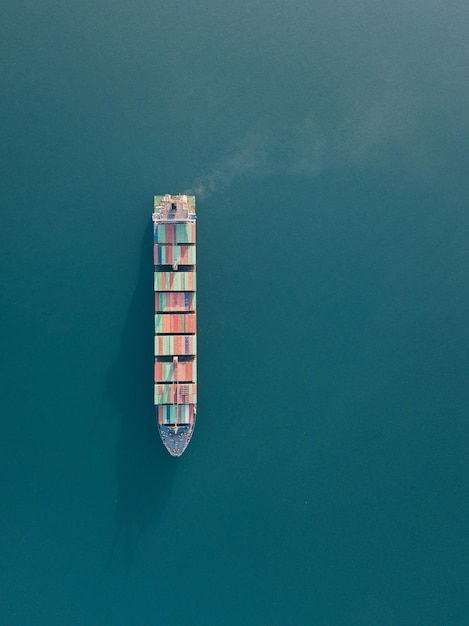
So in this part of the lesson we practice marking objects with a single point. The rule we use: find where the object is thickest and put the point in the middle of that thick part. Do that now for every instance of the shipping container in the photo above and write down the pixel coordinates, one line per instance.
(174, 281)
(174, 233)
(176, 393)
(183, 371)
(177, 255)
(175, 301)
(179, 414)
(179, 345)
(175, 323)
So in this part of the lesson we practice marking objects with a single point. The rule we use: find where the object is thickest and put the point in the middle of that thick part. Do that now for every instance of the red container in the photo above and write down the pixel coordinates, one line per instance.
(170, 233)
(184, 255)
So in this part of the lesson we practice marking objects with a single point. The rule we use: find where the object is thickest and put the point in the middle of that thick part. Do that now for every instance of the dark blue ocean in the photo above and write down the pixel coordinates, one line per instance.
(327, 482)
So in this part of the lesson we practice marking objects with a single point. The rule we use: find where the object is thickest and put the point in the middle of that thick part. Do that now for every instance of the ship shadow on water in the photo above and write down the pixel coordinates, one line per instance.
(144, 469)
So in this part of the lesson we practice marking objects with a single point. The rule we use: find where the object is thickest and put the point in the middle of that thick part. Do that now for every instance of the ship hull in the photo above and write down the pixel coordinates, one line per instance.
(177, 439)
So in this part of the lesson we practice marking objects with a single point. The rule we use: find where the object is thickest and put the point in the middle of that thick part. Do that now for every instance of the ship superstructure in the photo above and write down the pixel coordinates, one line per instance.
(175, 377)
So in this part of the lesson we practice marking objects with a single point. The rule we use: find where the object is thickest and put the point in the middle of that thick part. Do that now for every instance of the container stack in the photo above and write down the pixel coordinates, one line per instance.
(175, 375)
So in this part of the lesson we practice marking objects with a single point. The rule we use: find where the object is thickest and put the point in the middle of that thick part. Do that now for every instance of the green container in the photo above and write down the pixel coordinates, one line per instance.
(185, 233)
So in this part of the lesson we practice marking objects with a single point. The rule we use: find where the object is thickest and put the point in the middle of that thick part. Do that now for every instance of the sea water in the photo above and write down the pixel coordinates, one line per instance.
(327, 479)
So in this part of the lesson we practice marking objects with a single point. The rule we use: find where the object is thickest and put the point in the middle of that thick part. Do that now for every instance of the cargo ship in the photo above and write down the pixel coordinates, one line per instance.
(175, 375)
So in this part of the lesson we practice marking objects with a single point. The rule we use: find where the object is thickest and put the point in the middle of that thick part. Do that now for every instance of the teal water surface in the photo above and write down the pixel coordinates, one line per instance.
(327, 480)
